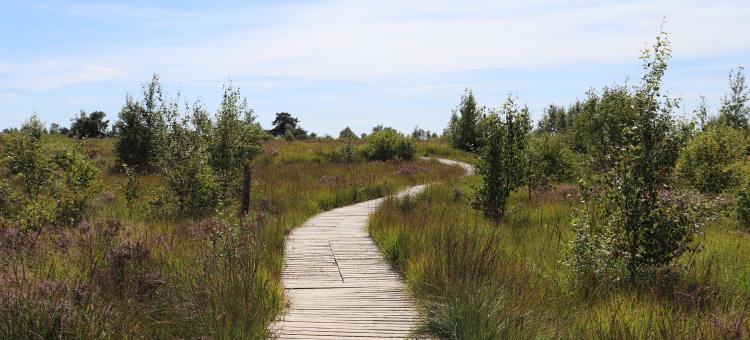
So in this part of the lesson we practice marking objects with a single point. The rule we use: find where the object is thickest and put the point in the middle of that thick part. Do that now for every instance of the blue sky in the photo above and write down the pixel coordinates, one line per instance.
(357, 63)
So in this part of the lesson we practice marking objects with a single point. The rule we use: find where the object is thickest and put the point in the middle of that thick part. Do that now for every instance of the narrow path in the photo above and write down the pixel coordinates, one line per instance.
(338, 284)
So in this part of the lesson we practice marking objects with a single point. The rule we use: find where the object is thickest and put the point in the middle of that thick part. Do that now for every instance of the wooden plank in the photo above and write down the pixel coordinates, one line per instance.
(337, 282)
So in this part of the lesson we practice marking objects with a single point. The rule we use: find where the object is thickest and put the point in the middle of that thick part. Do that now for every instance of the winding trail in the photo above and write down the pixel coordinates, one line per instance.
(337, 282)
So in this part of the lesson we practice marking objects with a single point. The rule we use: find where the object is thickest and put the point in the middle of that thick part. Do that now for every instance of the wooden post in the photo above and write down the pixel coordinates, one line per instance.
(246, 186)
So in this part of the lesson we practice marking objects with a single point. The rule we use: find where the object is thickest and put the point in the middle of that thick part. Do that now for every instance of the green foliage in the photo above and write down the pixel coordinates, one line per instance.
(347, 133)
(142, 128)
(34, 127)
(189, 175)
(74, 175)
(25, 159)
(464, 125)
(440, 149)
(203, 161)
(599, 129)
(628, 222)
(557, 119)
(284, 125)
(55, 181)
(6, 201)
(706, 162)
(549, 159)
(734, 111)
(90, 125)
(421, 134)
(501, 164)
(347, 154)
(235, 139)
(742, 199)
(131, 188)
(388, 144)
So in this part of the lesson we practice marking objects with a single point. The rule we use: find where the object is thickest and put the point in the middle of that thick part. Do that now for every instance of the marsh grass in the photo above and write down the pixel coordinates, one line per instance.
(477, 279)
(143, 271)
(436, 148)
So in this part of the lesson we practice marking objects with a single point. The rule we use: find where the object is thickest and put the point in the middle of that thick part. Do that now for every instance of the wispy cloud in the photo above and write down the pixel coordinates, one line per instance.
(355, 40)
(51, 77)
(389, 48)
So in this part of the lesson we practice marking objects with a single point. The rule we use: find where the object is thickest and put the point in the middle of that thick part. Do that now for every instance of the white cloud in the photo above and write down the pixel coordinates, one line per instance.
(354, 40)
(361, 40)
(50, 77)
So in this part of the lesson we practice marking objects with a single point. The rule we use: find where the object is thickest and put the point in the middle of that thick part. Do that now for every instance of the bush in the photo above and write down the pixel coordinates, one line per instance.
(89, 125)
(76, 173)
(743, 205)
(631, 223)
(345, 154)
(734, 109)
(549, 158)
(706, 162)
(388, 144)
(347, 133)
(235, 139)
(54, 181)
(742, 198)
(142, 128)
(501, 164)
(6, 200)
(196, 187)
(463, 129)
(25, 159)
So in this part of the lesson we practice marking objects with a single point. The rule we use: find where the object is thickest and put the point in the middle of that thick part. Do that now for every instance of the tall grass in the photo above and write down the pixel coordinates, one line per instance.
(475, 279)
(146, 272)
(436, 148)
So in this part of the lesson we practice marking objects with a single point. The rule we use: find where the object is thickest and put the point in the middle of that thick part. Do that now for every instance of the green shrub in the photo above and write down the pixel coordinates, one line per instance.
(388, 144)
(631, 223)
(6, 201)
(26, 161)
(742, 198)
(463, 129)
(132, 189)
(734, 109)
(501, 164)
(196, 187)
(345, 154)
(76, 173)
(54, 181)
(347, 133)
(549, 158)
(90, 125)
(235, 139)
(142, 128)
(706, 162)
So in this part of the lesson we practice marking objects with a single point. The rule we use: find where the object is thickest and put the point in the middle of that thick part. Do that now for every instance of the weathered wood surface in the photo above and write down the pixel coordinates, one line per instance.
(337, 282)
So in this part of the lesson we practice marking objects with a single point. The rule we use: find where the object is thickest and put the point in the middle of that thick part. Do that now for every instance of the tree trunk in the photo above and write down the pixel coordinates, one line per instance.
(246, 180)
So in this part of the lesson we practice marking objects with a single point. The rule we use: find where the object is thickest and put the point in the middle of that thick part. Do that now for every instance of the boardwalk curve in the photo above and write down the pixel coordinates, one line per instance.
(337, 282)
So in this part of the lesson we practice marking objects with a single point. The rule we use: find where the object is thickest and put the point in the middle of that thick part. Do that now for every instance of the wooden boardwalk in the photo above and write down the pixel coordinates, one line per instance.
(338, 284)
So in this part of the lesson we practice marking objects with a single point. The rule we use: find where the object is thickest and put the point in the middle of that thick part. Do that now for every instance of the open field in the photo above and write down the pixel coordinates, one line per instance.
(478, 279)
(136, 272)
